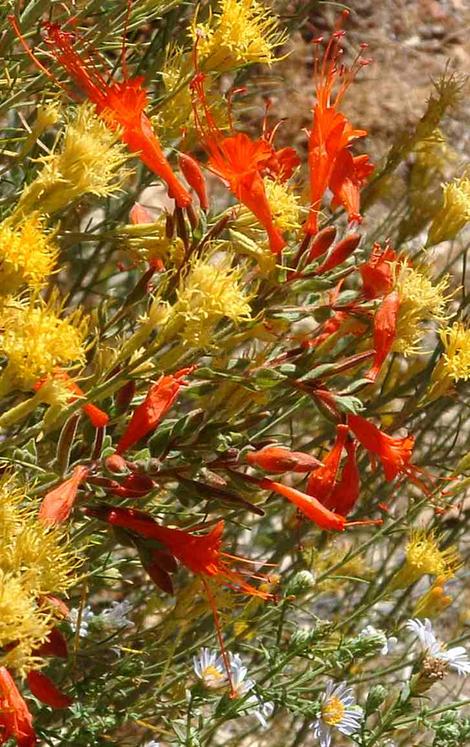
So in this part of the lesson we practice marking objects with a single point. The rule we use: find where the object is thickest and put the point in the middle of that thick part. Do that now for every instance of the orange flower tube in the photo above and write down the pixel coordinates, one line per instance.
(147, 415)
(385, 331)
(321, 482)
(59, 501)
(394, 453)
(121, 105)
(15, 718)
(308, 505)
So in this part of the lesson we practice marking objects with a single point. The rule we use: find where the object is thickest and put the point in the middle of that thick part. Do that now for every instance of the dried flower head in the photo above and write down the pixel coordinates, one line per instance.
(27, 254)
(88, 161)
(454, 213)
(421, 302)
(242, 32)
(36, 339)
(424, 556)
(211, 291)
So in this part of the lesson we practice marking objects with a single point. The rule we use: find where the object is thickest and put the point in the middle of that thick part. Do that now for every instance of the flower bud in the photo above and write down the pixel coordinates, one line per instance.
(302, 582)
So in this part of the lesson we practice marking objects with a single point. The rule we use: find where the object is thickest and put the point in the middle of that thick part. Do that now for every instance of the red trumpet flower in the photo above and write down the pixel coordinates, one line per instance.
(121, 105)
(200, 553)
(321, 482)
(345, 493)
(279, 459)
(147, 415)
(15, 718)
(330, 162)
(394, 453)
(376, 273)
(385, 331)
(307, 505)
(59, 501)
(241, 163)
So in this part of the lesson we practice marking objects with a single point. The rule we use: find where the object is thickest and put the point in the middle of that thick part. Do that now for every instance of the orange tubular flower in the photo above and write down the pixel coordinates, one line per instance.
(394, 453)
(15, 719)
(58, 503)
(158, 401)
(279, 459)
(200, 553)
(241, 163)
(121, 105)
(308, 505)
(195, 178)
(330, 162)
(97, 417)
(345, 493)
(321, 482)
(385, 331)
(376, 273)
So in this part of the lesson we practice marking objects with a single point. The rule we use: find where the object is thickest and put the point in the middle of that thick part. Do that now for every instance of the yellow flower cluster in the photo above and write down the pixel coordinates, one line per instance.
(36, 339)
(27, 254)
(211, 291)
(421, 301)
(242, 32)
(454, 363)
(424, 556)
(454, 213)
(88, 161)
(34, 562)
(456, 341)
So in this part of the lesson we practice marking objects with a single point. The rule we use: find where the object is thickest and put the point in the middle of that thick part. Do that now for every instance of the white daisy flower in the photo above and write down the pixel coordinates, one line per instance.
(456, 657)
(387, 644)
(338, 711)
(209, 667)
(253, 704)
(115, 616)
(87, 616)
(241, 685)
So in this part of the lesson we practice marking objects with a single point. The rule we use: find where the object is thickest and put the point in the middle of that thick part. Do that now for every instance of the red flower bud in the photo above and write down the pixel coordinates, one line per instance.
(54, 645)
(279, 459)
(195, 178)
(44, 690)
(321, 243)
(339, 253)
(58, 503)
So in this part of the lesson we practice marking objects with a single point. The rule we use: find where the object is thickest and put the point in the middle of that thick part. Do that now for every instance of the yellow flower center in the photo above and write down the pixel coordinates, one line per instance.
(333, 712)
(212, 677)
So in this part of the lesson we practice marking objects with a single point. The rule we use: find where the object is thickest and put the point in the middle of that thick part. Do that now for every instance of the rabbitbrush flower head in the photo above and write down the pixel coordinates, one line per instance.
(36, 338)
